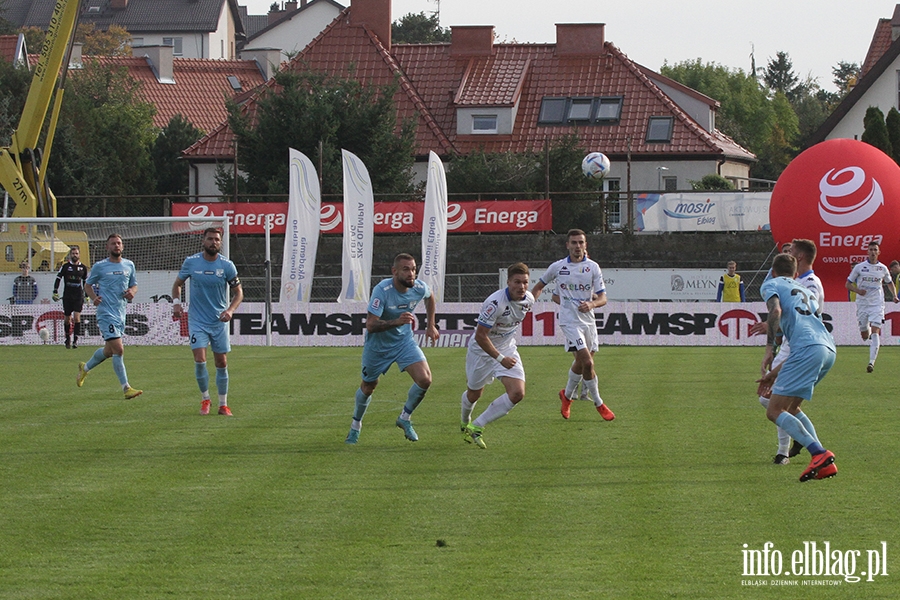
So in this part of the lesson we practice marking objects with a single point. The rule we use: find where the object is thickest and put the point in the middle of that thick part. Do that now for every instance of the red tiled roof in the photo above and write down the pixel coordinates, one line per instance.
(9, 46)
(433, 84)
(200, 88)
(881, 41)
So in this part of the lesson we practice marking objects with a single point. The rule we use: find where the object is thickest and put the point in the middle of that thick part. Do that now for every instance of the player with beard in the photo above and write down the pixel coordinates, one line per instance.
(389, 339)
(73, 273)
(117, 286)
(212, 276)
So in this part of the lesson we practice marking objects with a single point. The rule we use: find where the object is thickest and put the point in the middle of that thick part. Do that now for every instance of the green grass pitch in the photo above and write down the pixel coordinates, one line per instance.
(106, 498)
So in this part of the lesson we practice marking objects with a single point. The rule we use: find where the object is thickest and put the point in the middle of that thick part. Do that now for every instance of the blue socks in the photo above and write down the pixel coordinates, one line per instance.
(119, 368)
(221, 380)
(97, 358)
(362, 403)
(413, 398)
(795, 428)
(202, 376)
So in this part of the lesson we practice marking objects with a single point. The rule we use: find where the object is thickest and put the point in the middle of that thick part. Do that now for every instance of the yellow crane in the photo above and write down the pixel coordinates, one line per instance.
(22, 172)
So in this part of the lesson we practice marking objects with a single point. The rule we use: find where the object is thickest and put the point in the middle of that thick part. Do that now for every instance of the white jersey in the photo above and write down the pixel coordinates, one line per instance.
(577, 282)
(502, 315)
(870, 278)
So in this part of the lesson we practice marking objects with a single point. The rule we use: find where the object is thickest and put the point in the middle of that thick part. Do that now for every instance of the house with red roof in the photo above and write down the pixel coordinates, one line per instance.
(475, 94)
(195, 88)
(876, 86)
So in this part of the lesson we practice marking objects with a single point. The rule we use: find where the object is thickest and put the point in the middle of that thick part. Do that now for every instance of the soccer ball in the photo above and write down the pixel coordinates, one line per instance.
(44, 334)
(595, 165)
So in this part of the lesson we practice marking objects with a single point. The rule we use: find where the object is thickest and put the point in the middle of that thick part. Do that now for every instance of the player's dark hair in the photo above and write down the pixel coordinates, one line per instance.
(806, 247)
(784, 265)
(402, 256)
(112, 235)
(894, 263)
(874, 243)
(212, 230)
(574, 232)
(519, 268)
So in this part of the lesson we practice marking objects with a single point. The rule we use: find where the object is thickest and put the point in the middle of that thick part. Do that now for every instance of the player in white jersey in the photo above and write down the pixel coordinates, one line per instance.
(866, 280)
(580, 288)
(493, 354)
(805, 252)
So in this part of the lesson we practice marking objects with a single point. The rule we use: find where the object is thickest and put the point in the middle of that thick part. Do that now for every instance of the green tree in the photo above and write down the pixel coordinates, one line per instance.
(103, 141)
(171, 172)
(845, 76)
(892, 122)
(114, 41)
(779, 75)
(309, 108)
(712, 183)
(14, 84)
(746, 114)
(34, 38)
(508, 175)
(6, 28)
(875, 130)
(418, 28)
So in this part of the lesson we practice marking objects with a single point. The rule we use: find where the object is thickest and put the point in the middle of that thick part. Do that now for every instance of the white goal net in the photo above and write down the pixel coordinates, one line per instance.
(156, 245)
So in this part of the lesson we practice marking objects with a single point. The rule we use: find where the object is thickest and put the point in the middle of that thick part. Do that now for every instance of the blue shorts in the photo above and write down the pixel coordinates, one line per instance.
(376, 364)
(111, 328)
(215, 336)
(803, 369)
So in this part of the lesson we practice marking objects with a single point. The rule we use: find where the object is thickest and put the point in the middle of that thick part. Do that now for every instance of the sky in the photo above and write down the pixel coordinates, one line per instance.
(816, 34)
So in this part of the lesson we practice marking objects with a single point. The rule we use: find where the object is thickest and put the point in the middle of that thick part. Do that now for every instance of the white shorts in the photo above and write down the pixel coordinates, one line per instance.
(579, 336)
(869, 316)
(481, 369)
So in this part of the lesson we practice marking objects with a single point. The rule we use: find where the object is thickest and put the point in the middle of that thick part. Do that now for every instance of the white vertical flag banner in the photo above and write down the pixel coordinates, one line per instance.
(301, 235)
(434, 228)
(359, 230)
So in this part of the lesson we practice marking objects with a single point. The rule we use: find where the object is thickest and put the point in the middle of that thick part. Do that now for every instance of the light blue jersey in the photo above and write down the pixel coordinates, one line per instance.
(113, 279)
(388, 304)
(799, 313)
(210, 281)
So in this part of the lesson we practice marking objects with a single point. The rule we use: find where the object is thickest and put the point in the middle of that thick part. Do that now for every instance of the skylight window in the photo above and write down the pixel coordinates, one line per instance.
(659, 129)
(591, 110)
(235, 83)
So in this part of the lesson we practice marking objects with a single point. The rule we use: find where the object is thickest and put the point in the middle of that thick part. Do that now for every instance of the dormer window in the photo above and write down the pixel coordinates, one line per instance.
(484, 123)
(584, 110)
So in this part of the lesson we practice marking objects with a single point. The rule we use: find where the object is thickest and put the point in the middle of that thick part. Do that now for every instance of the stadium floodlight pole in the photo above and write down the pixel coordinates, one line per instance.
(268, 269)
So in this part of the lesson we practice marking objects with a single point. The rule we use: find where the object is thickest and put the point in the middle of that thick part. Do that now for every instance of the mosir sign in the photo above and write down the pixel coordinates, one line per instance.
(842, 194)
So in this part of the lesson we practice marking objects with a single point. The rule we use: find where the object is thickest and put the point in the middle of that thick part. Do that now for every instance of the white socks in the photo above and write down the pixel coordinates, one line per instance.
(874, 344)
(498, 408)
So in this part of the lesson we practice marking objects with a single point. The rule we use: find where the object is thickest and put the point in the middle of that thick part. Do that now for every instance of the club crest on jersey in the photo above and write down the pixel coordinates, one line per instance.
(220, 272)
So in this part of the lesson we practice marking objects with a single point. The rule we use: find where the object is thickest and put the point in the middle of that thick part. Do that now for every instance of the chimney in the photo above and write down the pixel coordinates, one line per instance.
(267, 59)
(375, 15)
(471, 40)
(274, 15)
(580, 39)
(160, 59)
(75, 60)
(290, 6)
(895, 23)
(118, 4)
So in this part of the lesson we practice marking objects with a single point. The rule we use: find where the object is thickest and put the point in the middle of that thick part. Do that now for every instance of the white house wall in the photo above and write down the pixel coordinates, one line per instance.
(293, 35)
(883, 94)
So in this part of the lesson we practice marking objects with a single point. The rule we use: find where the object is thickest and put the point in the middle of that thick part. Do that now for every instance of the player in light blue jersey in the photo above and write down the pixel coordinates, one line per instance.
(389, 339)
(793, 308)
(116, 286)
(493, 354)
(211, 275)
